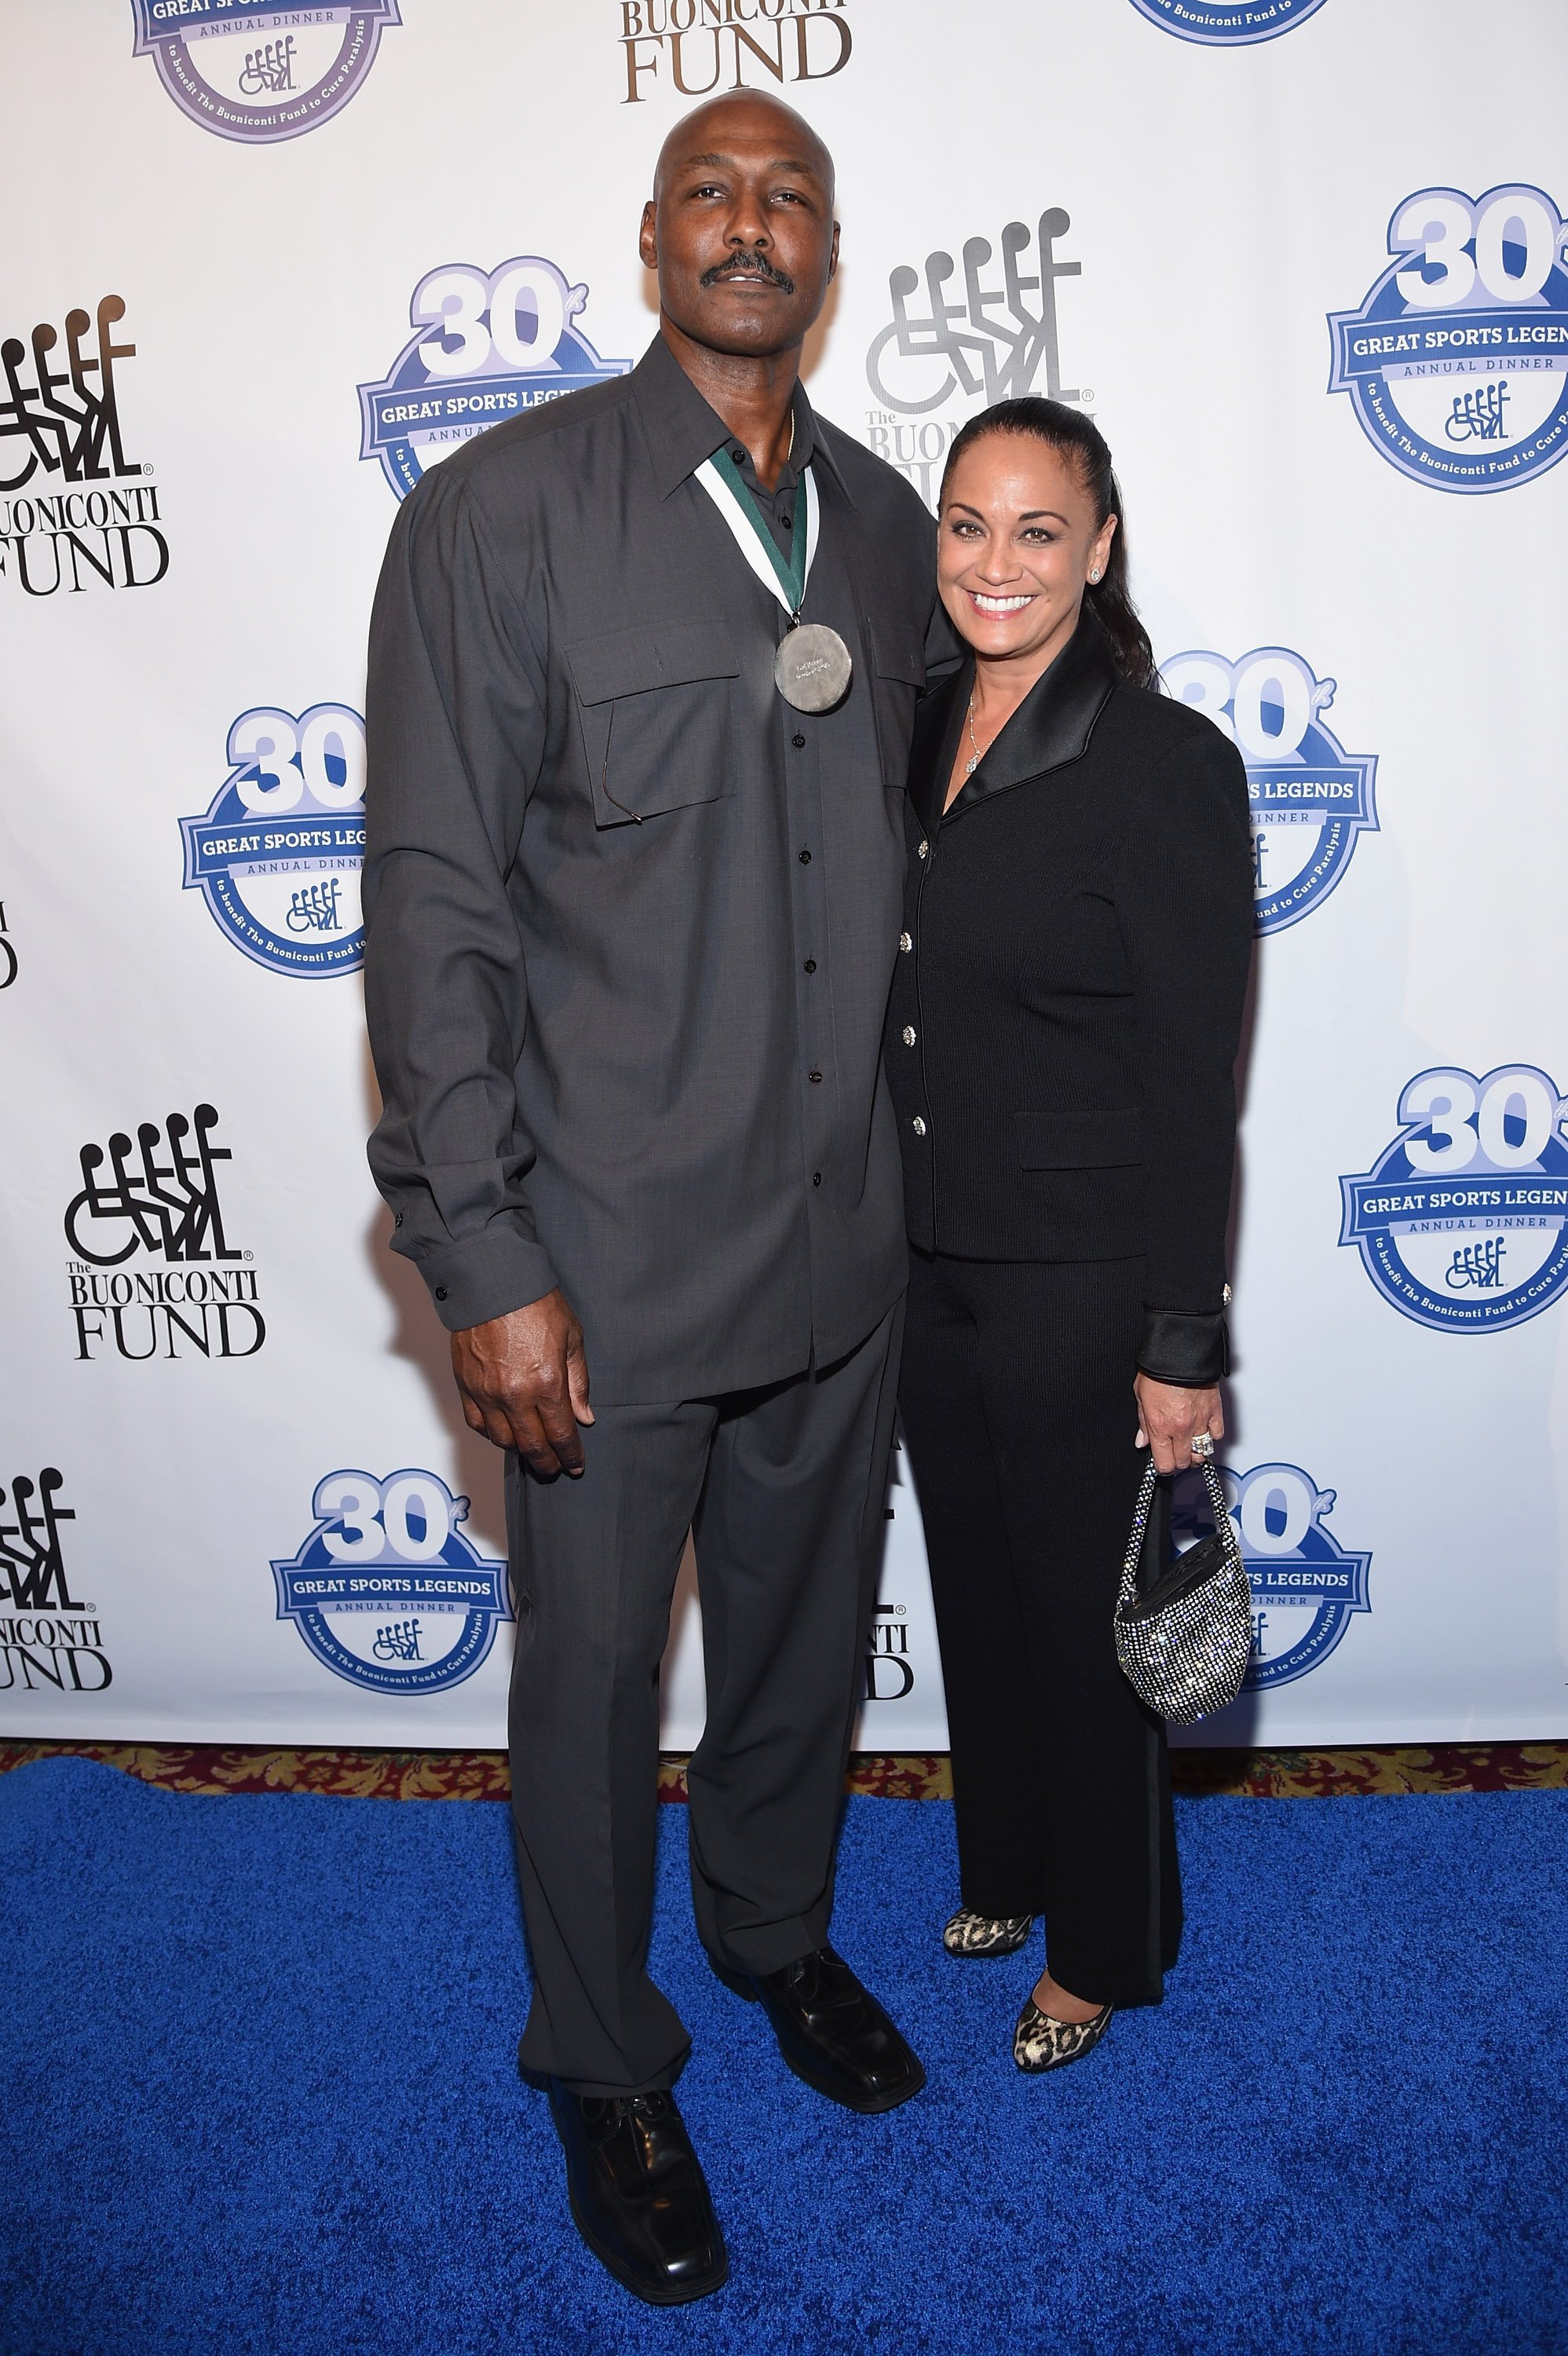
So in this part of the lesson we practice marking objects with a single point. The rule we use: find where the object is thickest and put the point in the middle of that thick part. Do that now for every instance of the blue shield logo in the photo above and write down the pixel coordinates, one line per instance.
(488, 345)
(1462, 1223)
(387, 1590)
(1306, 1589)
(277, 854)
(1310, 798)
(1227, 23)
(1456, 362)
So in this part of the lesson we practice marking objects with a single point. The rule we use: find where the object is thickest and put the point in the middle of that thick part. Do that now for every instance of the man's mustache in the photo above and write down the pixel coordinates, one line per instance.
(748, 265)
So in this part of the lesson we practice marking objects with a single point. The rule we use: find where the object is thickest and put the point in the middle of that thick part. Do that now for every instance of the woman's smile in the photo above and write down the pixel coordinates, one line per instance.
(1012, 604)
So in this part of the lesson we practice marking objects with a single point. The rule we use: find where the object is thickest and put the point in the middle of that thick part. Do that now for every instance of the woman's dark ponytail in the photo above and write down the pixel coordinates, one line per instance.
(1069, 431)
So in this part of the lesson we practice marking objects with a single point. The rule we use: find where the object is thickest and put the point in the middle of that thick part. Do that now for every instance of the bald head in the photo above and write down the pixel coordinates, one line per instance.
(750, 117)
(739, 227)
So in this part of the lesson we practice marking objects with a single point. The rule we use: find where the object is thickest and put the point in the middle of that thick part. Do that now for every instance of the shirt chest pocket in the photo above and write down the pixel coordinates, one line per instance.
(654, 707)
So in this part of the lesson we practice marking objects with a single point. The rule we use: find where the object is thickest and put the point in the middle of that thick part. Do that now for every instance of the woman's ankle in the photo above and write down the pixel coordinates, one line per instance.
(1060, 2004)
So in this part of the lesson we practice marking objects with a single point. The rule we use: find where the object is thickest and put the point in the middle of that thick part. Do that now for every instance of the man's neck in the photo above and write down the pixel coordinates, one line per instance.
(754, 397)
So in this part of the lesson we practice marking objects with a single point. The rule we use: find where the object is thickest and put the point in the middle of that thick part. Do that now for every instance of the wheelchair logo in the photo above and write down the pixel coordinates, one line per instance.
(1456, 363)
(387, 1590)
(487, 346)
(278, 852)
(993, 343)
(1462, 1223)
(1307, 1588)
(1311, 800)
(258, 71)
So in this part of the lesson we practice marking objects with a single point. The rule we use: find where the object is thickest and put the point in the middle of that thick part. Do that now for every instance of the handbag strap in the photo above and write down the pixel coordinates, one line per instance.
(1224, 1528)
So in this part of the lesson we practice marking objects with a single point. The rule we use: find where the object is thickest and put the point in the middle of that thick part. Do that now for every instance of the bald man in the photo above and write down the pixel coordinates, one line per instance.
(644, 667)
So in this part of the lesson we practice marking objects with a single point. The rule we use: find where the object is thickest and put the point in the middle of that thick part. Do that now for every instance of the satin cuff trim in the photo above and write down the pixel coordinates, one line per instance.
(1189, 1347)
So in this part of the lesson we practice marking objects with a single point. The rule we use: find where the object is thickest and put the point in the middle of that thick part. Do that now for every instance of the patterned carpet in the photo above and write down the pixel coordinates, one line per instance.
(482, 1774)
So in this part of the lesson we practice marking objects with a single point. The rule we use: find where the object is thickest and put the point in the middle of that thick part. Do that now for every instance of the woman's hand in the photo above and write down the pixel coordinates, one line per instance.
(1171, 1418)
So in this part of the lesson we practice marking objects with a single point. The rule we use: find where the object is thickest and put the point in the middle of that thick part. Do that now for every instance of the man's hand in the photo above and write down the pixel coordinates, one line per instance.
(1170, 1418)
(523, 1381)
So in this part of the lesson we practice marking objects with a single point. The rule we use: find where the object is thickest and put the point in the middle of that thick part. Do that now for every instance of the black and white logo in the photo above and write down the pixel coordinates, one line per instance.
(76, 513)
(155, 1273)
(962, 336)
(49, 1639)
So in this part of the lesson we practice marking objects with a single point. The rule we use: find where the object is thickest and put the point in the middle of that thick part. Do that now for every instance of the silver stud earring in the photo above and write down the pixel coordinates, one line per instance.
(1096, 574)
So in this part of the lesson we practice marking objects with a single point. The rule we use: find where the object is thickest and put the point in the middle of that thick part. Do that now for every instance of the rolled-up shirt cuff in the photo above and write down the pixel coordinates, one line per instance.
(1189, 1347)
(487, 1275)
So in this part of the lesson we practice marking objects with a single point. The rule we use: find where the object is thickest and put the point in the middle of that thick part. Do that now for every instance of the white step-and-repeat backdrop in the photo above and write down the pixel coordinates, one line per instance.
(1303, 259)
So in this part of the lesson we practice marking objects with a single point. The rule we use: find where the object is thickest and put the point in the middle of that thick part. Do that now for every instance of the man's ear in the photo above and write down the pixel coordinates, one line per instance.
(833, 256)
(647, 236)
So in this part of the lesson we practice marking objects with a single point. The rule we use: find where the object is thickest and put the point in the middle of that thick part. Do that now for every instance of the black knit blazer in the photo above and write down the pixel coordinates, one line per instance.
(1067, 1011)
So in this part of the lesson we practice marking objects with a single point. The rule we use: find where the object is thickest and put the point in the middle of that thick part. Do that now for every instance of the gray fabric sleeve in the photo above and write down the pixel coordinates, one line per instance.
(456, 726)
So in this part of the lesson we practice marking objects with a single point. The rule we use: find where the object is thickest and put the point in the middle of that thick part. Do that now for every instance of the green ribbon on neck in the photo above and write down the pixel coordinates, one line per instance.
(791, 576)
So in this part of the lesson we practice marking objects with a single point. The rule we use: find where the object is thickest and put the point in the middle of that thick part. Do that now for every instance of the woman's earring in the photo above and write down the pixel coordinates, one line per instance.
(1096, 574)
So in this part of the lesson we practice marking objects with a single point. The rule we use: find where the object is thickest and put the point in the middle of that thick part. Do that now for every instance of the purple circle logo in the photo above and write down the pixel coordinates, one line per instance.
(258, 71)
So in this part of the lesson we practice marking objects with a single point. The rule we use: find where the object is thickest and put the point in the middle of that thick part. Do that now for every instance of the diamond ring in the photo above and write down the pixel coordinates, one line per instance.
(1203, 1445)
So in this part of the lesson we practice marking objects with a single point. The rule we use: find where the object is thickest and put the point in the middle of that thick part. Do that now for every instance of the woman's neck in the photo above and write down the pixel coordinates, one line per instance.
(1002, 681)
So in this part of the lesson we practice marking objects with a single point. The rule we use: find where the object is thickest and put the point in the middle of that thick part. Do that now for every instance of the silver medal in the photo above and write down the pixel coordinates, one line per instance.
(813, 668)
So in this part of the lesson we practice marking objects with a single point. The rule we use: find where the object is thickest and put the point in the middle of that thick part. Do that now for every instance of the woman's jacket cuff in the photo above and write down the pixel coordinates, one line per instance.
(1189, 1347)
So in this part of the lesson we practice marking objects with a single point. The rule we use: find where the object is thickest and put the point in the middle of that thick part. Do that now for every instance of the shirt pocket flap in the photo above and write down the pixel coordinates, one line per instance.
(897, 649)
(657, 654)
(1079, 1140)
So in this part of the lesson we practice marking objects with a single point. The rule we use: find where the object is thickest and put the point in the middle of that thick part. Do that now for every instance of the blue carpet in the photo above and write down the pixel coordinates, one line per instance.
(259, 2097)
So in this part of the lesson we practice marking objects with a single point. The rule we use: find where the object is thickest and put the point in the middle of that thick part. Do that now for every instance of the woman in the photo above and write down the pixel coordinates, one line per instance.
(1062, 1033)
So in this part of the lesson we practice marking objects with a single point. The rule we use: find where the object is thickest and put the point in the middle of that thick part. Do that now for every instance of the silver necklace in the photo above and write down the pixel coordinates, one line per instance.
(973, 763)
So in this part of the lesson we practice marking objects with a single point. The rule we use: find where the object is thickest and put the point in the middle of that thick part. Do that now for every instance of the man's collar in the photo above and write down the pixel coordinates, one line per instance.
(683, 430)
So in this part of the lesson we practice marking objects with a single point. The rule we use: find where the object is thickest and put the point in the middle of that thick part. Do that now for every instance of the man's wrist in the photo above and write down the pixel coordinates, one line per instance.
(486, 1276)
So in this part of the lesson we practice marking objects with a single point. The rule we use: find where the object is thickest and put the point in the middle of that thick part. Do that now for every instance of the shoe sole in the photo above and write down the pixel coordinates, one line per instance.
(866, 2105)
(674, 2295)
(984, 1954)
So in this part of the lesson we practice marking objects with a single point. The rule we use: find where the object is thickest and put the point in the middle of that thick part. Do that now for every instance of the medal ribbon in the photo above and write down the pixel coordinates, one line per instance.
(726, 486)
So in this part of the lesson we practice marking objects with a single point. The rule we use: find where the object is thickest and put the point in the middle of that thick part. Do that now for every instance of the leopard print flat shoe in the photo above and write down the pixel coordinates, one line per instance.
(983, 1934)
(1042, 2043)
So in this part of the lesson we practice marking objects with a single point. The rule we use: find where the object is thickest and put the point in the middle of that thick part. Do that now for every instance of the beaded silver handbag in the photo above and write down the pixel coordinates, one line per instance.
(1184, 1643)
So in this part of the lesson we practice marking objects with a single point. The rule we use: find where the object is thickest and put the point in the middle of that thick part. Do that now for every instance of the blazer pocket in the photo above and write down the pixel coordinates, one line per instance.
(654, 708)
(898, 679)
(1079, 1140)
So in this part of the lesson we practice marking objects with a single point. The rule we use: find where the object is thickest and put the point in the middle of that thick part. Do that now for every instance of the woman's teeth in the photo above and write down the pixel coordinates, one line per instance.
(1001, 605)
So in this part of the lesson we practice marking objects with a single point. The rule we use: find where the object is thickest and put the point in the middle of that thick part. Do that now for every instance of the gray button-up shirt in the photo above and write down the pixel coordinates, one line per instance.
(631, 918)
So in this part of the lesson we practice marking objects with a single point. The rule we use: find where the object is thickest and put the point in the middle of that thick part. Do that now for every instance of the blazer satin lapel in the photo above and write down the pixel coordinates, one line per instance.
(937, 721)
(1053, 724)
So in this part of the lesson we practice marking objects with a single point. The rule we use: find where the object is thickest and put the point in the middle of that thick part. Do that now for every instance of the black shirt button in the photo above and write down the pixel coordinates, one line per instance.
(397, 1219)
(805, 858)
(441, 1292)
(810, 967)
(817, 1177)
(740, 456)
(786, 521)
(816, 1076)
(797, 741)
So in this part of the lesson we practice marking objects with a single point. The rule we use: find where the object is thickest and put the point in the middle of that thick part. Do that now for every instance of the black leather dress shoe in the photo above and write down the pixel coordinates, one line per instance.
(638, 2195)
(833, 2033)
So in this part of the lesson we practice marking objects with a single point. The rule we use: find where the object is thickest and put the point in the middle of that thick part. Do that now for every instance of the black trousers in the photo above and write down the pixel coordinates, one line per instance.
(1018, 1414)
(782, 1489)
